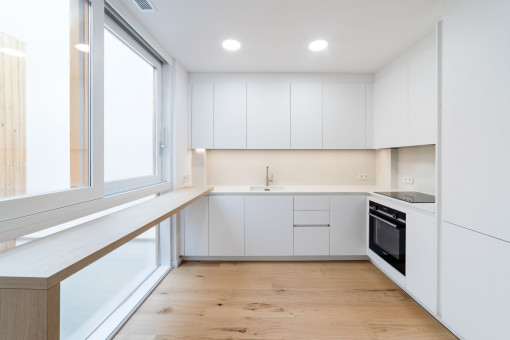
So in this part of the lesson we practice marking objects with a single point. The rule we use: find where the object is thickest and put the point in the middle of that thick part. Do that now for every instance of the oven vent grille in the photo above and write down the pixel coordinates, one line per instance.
(145, 5)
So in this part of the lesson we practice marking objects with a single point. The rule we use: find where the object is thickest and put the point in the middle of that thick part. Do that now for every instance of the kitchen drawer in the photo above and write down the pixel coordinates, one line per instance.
(311, 202)
(316, 217)
(310, 241)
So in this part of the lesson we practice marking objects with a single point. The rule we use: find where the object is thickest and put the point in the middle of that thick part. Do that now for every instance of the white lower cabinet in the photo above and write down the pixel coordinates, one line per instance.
(347, 225)
(421, 268)
(311, 241)
(269, 226)
(226, 226)
(196, 228)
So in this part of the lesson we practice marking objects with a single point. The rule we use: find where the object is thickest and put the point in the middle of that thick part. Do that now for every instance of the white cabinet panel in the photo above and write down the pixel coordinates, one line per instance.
(475, 281)
(347, 225)
(475, 118)
(310, 202)
(268, 115)
(344, 116)
(230, 116)
(268, 226)
(421, 268)
(306, 116)
(226, 226)
(315, 217)
(196, 228)
(423, 98)
(391, 119)
(202, 116)
(311, 241)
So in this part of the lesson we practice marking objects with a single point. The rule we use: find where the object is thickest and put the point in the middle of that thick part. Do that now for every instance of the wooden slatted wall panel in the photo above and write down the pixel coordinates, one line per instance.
(12, 120)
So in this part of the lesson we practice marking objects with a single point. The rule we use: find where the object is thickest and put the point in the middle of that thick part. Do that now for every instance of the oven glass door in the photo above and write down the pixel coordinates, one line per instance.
(388, 242)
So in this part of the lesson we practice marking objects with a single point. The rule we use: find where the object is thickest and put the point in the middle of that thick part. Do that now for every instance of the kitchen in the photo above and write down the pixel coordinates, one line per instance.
(385, 146)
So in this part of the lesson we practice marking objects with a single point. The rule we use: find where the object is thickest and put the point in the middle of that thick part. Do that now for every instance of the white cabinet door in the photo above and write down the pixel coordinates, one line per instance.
(344, 116)
(196, 228)
(347, 225)
(421, 268)
(306, 116)
(311, 241)
(475, 281)
(423, 98)
(202, 116)
(268, 115)
(391, 118)
(268, 226)
(226, 226)
(230, 116)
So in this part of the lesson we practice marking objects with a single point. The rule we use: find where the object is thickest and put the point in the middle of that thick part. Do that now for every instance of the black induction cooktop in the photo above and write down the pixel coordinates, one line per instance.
(410, 196)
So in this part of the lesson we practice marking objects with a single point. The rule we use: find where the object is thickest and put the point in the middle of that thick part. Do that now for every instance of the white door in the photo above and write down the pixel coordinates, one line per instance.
(196, 228)
(268, 116)
(421, 269)
(344, 116)
(423, 98)
(226, 226)
(347, 225)
(268, 226)
(230, 116)
(311, 241)
(306, 116)
(202, 116)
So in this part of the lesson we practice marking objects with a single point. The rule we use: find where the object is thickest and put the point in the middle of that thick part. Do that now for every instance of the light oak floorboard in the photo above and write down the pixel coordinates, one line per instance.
(280, 300)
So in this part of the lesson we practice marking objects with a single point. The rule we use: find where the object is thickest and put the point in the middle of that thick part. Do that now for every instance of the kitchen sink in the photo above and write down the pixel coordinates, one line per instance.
(266, 189)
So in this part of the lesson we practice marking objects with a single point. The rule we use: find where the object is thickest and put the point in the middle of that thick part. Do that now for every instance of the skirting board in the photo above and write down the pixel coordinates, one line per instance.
(276, 258)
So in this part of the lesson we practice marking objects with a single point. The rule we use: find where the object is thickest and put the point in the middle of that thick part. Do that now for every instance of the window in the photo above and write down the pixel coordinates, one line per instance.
(44, 107)
(132, 119)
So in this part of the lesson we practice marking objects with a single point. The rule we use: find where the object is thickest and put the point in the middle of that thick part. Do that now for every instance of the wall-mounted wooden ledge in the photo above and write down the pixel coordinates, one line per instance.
(43, 263)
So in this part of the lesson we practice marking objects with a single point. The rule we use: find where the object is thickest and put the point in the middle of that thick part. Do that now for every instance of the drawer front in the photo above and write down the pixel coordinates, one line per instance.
(311, 202)
(318, 217)
(311, 241)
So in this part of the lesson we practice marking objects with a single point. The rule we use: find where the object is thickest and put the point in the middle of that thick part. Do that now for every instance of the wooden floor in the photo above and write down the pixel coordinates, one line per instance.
(280, 300)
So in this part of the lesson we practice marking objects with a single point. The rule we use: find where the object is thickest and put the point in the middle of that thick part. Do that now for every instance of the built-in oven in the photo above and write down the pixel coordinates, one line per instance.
(387, 235)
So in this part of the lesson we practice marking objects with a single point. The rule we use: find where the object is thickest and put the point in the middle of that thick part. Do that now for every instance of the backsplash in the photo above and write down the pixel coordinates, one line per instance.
(419, 163)
(289, 167)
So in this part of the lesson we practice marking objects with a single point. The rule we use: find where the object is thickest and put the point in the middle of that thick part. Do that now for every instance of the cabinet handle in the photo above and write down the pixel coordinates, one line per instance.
(383, 220)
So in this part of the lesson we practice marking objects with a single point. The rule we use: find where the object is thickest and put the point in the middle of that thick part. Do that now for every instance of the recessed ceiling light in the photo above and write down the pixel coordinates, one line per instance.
(12, 51)
(83, 47)
(318, 45)
(231, 45)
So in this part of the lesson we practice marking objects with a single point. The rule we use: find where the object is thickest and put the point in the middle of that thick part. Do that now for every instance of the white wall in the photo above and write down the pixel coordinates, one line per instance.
(420, 163)
(290, 167)
(181, 156)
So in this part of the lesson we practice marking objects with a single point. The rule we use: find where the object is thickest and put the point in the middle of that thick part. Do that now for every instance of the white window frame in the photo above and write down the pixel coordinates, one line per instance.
(115, 187)
(16, 207)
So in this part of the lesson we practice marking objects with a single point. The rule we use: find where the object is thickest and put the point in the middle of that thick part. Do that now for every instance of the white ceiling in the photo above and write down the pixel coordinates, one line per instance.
(363, 35)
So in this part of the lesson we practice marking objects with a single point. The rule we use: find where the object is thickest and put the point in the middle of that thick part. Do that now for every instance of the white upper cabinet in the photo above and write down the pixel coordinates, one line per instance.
(268, 115)
(344, 116)
(391, 119)
(423, 98)
(306, 116)
(202, 117)
(230, 116)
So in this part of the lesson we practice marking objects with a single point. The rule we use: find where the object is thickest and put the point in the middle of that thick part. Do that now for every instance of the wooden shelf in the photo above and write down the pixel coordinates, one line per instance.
(45, 262)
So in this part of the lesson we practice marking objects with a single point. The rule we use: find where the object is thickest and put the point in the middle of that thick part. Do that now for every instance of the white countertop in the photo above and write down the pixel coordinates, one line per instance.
(324, 189)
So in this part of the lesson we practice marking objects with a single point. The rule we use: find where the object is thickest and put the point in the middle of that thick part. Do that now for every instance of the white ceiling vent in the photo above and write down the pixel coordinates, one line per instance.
(145, 5)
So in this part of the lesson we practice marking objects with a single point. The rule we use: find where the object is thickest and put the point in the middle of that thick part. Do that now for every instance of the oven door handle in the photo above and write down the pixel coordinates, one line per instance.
(383, 220)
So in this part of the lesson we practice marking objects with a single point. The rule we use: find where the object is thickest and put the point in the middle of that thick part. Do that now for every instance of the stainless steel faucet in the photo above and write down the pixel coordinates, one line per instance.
(268, 180)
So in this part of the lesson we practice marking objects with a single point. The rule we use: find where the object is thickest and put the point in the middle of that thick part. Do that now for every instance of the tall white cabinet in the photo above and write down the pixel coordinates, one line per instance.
(268, 116)
(230, 116)
(306, 116)
(343, 116)
(202, 116)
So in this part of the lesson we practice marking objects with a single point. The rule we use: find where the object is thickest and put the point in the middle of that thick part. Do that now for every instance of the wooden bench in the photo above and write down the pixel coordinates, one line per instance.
(30, 274)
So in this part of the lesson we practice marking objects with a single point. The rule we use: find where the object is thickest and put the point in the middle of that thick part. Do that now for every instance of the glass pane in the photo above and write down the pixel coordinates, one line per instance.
(91, 295)
(44, 113)
(129, 133)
